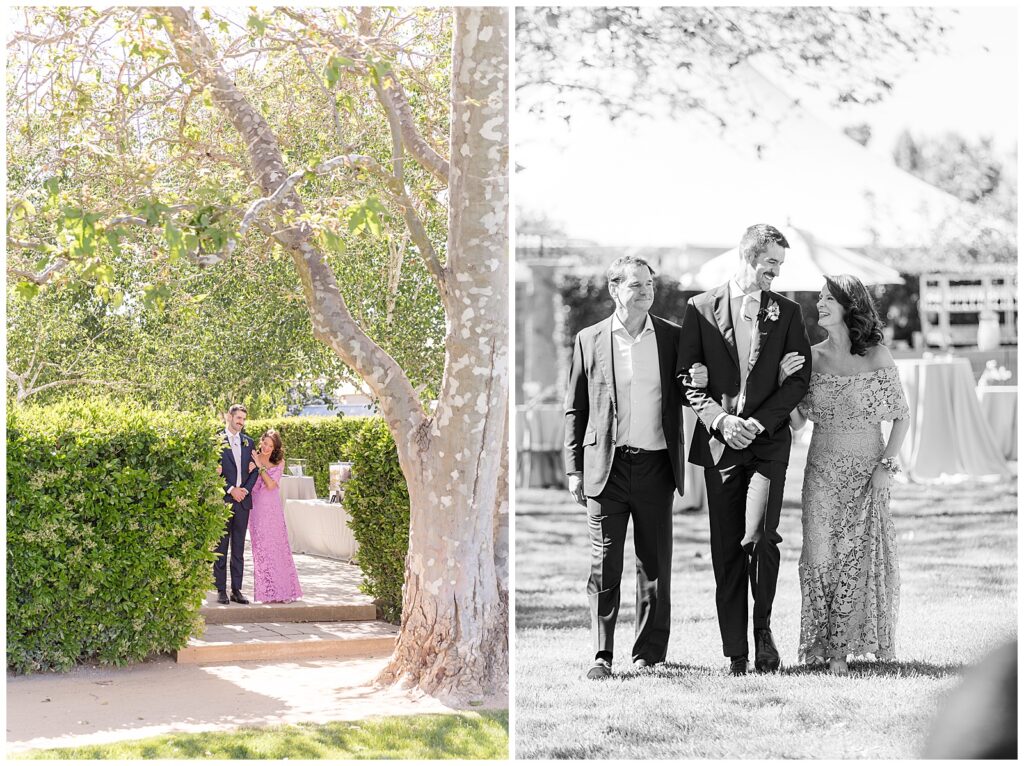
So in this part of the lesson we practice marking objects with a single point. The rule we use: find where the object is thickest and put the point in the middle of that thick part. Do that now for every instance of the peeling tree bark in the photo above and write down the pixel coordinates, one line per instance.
(454, 637)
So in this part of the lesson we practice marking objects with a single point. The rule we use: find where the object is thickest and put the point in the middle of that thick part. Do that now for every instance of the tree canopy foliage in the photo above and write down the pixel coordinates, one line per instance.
(643, 60)
(125, 182)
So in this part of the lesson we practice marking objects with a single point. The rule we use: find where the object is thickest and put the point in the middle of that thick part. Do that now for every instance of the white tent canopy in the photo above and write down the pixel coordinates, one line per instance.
(808, 259)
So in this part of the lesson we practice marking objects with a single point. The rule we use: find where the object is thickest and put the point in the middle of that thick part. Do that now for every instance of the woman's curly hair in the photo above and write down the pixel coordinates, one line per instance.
(859, 312)
(278, 453)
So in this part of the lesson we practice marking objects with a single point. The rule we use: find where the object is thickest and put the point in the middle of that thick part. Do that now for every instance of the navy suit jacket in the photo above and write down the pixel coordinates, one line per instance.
(229, 471)
(708, 337)
(590, 408)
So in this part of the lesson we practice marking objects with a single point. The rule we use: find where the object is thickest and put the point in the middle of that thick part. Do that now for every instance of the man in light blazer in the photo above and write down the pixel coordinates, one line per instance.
(624, 457)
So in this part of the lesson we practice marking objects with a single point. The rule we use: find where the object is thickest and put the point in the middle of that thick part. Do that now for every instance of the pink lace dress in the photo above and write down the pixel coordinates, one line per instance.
(274, 575)
(849, 572)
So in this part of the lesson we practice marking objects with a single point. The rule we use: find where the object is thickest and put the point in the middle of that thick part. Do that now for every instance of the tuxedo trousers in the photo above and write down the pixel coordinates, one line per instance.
(744, 506)
(234, 533)
(640, 487)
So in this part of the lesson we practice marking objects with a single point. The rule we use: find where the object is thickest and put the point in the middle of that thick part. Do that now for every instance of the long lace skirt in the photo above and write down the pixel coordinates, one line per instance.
(849, 573)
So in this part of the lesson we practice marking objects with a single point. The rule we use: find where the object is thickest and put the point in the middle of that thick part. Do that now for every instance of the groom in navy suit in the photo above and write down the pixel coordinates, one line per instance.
(235, 457)
(740, 331)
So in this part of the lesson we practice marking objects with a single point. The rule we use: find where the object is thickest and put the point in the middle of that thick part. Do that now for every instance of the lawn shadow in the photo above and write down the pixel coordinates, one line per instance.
(883, 669)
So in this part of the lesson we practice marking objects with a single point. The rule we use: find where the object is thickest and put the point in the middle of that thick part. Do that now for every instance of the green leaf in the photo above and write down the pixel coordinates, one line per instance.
(52, 186)
(26, 290)
(154, 297)
(256, 24)
(367, 216)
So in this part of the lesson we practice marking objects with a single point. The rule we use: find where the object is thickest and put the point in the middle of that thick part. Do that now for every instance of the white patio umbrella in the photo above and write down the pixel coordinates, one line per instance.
(808, 259)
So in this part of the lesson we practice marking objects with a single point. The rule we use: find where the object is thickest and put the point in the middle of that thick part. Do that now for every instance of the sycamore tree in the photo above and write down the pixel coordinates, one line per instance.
(199, 139)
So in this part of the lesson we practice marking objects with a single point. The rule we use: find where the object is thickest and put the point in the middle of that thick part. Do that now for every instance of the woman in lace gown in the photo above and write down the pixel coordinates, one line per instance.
(849, 574)
(275, 578)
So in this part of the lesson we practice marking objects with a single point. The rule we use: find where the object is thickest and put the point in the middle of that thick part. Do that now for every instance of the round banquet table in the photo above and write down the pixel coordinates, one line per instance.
(949, 437)
(999, 406)
(319, 528)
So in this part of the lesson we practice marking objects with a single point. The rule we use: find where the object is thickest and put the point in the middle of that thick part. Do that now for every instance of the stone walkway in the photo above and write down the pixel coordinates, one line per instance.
(93, 704)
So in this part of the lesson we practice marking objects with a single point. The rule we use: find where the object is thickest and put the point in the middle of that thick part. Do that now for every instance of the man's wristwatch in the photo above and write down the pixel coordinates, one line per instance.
(890, 465)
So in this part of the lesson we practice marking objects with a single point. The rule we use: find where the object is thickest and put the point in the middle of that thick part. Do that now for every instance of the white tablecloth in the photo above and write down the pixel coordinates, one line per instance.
(540, 435)
(319, 528)
(999, 406)
(297, 488)
(949, 437)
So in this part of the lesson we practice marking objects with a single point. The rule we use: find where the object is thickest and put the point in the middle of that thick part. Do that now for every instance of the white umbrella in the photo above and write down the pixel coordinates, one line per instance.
(808, 259)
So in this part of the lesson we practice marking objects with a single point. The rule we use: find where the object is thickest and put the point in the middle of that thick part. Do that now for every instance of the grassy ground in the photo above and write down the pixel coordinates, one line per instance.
(422, 737)
(957, 548)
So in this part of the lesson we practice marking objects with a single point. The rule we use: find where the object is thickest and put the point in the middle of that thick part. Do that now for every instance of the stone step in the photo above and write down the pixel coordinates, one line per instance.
(311, 610)
(238, 642)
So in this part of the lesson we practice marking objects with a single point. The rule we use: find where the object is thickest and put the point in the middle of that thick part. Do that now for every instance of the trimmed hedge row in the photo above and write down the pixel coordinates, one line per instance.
(376, 498)
(112, 515)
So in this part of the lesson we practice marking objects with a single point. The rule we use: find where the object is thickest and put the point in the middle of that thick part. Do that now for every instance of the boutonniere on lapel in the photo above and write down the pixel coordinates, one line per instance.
(769, 313)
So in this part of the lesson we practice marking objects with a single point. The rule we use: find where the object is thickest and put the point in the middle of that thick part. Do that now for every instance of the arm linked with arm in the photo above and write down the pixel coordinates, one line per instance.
(778, 407)
(691, 351)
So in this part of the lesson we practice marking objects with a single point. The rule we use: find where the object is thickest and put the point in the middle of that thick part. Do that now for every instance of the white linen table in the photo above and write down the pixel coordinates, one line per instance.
(319, 528)
(999, 405)
(949, 438)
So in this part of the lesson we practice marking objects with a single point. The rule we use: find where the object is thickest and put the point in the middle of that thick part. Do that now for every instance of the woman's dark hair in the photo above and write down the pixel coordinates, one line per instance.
(278, 454)
(859, 312)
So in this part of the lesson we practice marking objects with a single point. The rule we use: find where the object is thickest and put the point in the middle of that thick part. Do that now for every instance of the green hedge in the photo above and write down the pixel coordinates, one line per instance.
(376, 498)
(112, 516)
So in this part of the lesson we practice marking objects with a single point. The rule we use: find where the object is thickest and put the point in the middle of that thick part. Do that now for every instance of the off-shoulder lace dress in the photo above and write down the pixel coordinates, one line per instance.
(274, 575)
(849, 574)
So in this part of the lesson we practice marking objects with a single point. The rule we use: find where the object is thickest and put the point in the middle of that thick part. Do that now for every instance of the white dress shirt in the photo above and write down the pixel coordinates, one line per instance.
(637, 387)
(235, 440)
(743, 344)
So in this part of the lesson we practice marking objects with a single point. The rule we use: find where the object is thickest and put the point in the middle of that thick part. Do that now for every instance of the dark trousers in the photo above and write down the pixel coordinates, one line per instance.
(744, 503)
(234, 531)
(640, 486)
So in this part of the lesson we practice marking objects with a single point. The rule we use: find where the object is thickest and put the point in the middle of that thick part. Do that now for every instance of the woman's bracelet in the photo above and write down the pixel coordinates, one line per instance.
(890, 465)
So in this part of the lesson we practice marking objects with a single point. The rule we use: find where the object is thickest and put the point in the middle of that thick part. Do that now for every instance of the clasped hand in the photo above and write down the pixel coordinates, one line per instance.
(737, 432)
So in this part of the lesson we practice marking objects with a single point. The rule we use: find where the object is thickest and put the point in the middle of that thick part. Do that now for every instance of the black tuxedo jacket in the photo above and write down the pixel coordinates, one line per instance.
(708, 336)
(590, 407)
(229, 470)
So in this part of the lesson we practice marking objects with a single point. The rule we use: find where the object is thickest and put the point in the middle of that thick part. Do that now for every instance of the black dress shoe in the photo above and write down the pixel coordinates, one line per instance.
(222, 597)
(766, 655)
(600, 670)
(237, 597)
(640, 663)
(738, 666)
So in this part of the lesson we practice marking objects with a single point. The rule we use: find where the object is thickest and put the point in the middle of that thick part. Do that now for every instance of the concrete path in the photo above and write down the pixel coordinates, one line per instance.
(96, 704)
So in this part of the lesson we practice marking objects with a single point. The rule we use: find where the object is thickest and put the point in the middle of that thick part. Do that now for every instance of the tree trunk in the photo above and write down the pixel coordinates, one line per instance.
(454, 638)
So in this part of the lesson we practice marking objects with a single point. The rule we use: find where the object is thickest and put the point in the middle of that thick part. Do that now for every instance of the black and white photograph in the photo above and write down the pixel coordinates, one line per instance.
(765, 382)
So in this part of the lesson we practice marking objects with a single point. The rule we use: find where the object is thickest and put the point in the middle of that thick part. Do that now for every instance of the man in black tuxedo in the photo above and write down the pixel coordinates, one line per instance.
(624, 457)
(235, 456)
(740, 331)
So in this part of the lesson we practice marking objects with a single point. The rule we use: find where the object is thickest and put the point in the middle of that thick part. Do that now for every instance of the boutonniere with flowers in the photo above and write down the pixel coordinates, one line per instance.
(769, 313)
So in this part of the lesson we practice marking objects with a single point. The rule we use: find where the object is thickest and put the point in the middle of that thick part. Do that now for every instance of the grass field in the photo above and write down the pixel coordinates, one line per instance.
(468, 736)
(958, 561)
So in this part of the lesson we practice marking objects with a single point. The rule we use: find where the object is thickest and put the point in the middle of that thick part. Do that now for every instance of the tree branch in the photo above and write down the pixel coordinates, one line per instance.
(331, 319)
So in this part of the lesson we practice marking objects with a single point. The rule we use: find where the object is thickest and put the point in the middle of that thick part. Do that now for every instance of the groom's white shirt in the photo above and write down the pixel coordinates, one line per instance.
(235, 440)
(637, 372)
(736, 297)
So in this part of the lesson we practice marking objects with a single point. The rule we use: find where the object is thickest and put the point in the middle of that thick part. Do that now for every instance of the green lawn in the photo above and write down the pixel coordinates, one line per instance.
(957, 547)
(420, 737)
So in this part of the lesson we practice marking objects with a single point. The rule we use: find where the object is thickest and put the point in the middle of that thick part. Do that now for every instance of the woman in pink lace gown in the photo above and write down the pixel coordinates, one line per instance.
(275, 578)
